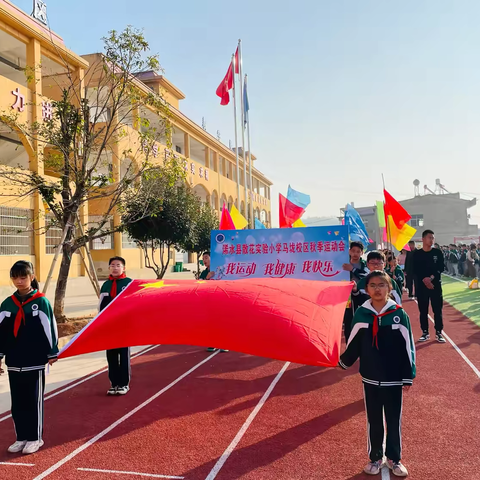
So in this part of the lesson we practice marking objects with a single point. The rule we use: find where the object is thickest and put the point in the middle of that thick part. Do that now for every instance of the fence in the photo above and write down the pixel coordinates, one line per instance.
(16, 231)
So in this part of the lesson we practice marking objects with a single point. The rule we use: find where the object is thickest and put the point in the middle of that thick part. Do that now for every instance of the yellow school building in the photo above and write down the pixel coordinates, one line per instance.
(26, 43)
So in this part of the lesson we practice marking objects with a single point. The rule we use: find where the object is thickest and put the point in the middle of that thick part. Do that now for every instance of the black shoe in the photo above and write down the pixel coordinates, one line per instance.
(424, 337)
(211, 349)
(440, 338)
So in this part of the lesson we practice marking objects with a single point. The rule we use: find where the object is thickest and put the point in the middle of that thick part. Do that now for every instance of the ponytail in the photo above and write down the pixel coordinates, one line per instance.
(35, 284)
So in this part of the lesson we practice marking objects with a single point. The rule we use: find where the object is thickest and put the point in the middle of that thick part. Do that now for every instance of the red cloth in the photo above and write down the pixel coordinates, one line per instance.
(113, 290)
(399, 215)
(20, 317)
(289, 213)
(285, 319)
(226, 222)
(227, 82)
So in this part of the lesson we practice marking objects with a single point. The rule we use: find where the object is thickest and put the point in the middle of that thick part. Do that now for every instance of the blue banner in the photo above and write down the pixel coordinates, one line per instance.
(311, 253)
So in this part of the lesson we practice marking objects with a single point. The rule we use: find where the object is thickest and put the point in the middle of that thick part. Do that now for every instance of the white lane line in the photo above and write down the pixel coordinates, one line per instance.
(455, 278)
(138, 474)
(221, 461)
(83, 447)
(13, 464)
(75, 384)
(385, 473)
(453, 344)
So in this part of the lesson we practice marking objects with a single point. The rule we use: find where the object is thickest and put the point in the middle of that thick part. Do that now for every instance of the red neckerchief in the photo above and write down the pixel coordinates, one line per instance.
(20, 317)
(375, 325)
(113, 290)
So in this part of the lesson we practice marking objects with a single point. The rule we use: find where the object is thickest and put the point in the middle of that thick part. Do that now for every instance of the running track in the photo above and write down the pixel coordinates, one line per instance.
(188, 412)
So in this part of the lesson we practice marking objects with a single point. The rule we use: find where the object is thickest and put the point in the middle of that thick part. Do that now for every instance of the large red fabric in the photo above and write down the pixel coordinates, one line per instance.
(285, 319)
(399, 215)
(226, 222)
(227, 82)
(289, 213)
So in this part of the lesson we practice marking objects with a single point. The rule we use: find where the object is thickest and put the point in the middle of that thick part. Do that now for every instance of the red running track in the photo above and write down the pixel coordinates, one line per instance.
(312, 426)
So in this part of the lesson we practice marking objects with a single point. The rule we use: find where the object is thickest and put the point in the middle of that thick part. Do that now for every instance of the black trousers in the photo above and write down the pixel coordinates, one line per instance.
(347, 323)
(380, 401)
(410, 282)
(26, 390)
(119, 366)
(425, 297)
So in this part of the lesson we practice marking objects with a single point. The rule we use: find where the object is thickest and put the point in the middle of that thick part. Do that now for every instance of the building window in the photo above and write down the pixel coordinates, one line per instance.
(16, 231)
(127, 242)
(416, 221)
(53, 235)
(103, 243)
(178, 149)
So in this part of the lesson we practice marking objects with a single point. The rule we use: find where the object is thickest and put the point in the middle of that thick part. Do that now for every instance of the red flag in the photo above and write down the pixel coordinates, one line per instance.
(226, 222)
(289, 212)
(227, 82)
(392, 208)
(285, 319)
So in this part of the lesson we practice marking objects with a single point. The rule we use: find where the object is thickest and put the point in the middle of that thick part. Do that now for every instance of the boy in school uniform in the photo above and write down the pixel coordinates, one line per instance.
(395, 272)
(358, 270)
(375, 261)
(382, 339)
(118, 358)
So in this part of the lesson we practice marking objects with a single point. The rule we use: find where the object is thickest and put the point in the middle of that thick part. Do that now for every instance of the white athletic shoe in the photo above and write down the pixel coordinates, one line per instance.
(112, 391)
(373, 468)
(17, 447)
(32, 447)
(122, 390)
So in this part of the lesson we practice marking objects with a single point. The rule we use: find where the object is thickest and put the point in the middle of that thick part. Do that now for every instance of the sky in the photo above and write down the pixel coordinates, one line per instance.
(340, 91)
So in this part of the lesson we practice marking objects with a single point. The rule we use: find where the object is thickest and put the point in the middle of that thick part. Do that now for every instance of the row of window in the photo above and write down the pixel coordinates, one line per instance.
(17, 234)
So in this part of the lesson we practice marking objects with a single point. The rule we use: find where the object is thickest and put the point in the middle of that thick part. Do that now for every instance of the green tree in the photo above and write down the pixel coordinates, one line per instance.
(205, 220)
(168, 225)
(81, 143)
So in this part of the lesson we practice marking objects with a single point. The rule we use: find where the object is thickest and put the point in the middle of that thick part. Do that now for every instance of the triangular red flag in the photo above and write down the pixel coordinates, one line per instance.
(226, 223)
(392, 208)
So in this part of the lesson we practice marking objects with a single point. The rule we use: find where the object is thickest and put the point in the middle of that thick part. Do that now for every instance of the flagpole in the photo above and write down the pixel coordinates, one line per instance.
(389, 236)
(240, 61)
(236, 136)
(249, 157)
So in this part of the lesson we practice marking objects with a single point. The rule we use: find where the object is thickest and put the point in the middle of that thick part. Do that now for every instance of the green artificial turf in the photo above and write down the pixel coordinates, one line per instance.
(467, 301)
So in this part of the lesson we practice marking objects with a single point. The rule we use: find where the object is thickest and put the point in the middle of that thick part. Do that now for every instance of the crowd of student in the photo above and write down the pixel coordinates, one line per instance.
(377, 331)
(462, 260)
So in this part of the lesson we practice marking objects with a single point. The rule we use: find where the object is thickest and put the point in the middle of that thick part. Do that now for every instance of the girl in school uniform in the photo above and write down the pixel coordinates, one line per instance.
(28, 341)
(382, 338)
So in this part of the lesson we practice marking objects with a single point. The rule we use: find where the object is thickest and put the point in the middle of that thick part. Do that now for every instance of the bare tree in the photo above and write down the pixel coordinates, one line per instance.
(99, 142)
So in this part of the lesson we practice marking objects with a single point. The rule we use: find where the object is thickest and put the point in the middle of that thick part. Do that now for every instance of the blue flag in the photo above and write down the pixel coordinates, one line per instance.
(246, 106)
(356, 227)
(297, 198)
(258, 224)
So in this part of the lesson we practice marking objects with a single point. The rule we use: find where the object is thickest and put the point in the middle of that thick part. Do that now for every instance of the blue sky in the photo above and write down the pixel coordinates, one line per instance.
(340, 91)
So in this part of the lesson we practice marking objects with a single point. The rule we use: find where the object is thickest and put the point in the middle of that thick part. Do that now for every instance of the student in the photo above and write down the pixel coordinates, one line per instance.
(428, 267)
(395, 272)
(382, 339)
(375, 261)
(118, 358)
(452, 262)
(409, 272)
(206, 273)
(28, 340)
(358, 270)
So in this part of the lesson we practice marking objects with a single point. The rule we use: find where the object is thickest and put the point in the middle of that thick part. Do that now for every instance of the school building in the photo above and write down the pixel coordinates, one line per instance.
(26, 44)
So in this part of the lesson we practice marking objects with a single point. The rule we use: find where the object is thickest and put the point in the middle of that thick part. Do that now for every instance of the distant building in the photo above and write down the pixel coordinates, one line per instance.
(444, 213)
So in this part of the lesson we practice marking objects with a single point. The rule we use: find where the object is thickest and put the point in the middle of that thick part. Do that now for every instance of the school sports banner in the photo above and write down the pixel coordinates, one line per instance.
(286, 319)
(311, 253)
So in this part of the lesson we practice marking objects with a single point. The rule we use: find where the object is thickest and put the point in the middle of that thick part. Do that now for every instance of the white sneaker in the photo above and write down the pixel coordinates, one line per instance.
(122, 390)
(112, 391)
(373, 468)
(32, 447)
(397, 468)
(17, 447)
